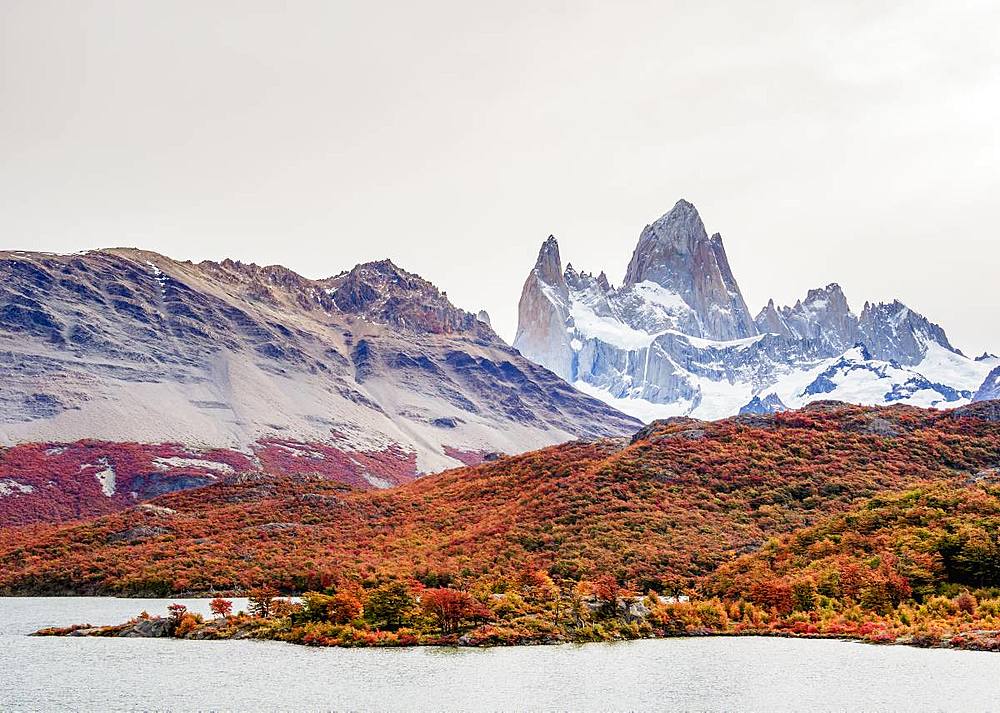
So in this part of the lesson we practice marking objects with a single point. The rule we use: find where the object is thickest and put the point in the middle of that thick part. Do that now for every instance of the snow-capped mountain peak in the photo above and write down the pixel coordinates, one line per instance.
(677, 339)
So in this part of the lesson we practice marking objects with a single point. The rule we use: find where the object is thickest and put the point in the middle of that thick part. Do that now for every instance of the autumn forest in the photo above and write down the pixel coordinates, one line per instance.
(880, 524)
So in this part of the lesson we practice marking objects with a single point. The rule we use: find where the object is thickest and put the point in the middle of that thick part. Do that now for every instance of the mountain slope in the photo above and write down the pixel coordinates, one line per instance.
(676, 338)
(990, 388)
(370, 376)
(674, 504)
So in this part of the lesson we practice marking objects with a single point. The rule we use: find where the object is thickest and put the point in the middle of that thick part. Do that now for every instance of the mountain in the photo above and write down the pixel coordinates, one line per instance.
(128, 374)
(677, 339)
(676, 258)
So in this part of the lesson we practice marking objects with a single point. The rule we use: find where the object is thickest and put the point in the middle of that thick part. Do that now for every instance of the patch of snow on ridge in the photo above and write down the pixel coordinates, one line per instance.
(159, 277)
(375, 481)
(715, 400)
(177, 462)
(641, 409)
(947, 367)
(9, 486)
(105, 477)
(653, 293)
(856, 379)
(607, 328)
(702, 343)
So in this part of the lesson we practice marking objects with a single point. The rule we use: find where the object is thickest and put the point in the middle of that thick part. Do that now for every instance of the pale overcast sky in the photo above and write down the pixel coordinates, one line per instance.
(843, 141)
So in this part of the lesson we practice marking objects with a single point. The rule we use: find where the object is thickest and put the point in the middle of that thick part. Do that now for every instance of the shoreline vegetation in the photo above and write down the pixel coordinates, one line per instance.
(537, 613)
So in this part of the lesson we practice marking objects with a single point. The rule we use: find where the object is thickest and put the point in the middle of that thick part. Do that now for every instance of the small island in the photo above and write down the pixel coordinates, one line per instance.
(537, 611)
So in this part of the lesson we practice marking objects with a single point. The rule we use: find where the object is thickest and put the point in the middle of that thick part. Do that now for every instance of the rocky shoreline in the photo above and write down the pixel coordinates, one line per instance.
(243, 627)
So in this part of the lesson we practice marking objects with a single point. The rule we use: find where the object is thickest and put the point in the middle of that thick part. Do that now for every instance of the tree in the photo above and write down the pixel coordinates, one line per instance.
(343, 608)
(450, 607)
(608, 593)
(221, 607)
(537, 585)
(177, 612)
(773, 594)
(390, 605)
(260, 600)
(339, 608)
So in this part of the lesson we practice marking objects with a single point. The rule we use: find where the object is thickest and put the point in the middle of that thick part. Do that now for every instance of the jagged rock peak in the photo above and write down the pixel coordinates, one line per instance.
(832, 292)
(484, 317)
(893, 331)
(676, 253)
(678, 232)
(382, 292)
(770, 321)
(771, 403)
(548, 266)
(543, 312)
(602, 280)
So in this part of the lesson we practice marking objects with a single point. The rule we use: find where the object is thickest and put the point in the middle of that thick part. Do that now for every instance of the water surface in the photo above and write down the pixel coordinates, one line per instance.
(704, 674)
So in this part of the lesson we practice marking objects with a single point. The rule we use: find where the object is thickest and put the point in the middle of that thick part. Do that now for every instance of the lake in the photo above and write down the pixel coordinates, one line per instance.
(704, 674)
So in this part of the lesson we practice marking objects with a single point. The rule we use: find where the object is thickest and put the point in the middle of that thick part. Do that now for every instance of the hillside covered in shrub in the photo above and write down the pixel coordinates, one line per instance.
(832, 520)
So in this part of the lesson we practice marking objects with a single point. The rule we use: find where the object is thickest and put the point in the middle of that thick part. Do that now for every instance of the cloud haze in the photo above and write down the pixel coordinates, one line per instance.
(827, 141)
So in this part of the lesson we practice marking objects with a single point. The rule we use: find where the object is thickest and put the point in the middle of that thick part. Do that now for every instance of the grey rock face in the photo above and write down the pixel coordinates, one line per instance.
(770, 321)
(769, 404)
(894, 332)
(824, 316)
(155, 628)
(544, 314)
(676, 253)
(990, 390)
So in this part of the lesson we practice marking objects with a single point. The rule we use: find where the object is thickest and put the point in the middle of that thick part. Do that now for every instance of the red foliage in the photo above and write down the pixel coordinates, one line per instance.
(451, 607)
(51, 482)
(221, 607)
(679, 503)
(466, 457)
(773, 594)
(363, 469)
(74, 480)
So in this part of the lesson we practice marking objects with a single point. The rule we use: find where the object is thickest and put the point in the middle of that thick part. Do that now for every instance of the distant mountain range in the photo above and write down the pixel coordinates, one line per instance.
(128, 374)
(677, 338)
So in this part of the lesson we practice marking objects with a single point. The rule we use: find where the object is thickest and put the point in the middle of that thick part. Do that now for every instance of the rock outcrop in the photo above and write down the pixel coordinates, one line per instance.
(541, 334)
(990, 388)
(823, 316)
